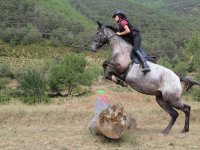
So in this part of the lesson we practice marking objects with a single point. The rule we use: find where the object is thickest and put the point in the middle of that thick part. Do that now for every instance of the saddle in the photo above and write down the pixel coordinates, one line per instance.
(121, 78)
(135, 59)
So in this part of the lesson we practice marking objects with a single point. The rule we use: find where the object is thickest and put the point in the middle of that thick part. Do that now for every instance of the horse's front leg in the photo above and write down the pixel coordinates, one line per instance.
(110, 73)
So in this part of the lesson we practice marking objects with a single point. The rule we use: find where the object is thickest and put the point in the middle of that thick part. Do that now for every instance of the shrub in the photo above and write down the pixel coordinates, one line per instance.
(3, 82)
(181, 68)
(195, 93)
(192, 50)
(33, 86)
(34, 100)
(14, 35)
(4, 96)
(165, 62)
(70, 73)
(5, 71)
(4, 99)
(32, 35)
(95, 71)
(62, 36)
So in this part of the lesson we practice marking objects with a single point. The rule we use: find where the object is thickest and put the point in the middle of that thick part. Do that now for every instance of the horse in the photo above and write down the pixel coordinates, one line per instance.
(160, 81)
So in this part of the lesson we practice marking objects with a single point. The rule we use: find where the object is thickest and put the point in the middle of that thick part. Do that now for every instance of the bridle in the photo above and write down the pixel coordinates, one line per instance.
(106, 40)
(100, 43)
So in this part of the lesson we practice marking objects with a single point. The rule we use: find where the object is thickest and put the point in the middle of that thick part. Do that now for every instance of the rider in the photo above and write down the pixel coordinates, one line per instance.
(125, 28)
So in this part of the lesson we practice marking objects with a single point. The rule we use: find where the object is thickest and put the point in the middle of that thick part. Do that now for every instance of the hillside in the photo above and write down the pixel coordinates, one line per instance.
(162, 32)
(182, 8)
(72, 23)
(29, 21)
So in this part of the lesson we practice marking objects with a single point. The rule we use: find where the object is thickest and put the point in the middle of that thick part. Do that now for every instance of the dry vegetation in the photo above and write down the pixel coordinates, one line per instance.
(63, 124)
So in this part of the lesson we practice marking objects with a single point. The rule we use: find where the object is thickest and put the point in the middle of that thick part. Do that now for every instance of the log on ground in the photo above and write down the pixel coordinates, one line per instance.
(112, 122)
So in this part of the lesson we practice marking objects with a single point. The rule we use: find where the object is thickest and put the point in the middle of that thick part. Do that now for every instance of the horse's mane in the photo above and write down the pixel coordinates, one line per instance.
(126, 38)
(112, 28)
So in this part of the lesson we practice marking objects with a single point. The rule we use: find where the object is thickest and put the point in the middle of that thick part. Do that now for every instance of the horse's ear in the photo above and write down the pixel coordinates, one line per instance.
(99, 24)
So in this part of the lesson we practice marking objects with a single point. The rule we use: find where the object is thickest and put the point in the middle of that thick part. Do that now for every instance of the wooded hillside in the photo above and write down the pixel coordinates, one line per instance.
(72, 23)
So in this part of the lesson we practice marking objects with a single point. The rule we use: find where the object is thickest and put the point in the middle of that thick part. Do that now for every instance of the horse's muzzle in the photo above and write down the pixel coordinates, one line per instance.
(93, 46)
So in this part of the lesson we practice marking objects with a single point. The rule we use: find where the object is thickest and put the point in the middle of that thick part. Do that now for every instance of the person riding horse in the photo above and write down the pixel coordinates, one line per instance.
(125, 28)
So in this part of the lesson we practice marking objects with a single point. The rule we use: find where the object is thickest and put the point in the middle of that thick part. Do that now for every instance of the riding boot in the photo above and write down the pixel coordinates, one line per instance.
(145, 66)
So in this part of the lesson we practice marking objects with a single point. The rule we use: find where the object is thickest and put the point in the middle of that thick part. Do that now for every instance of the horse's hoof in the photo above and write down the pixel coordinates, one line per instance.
(125, 84)
(182, 135)
(184, 131)
(162, 134)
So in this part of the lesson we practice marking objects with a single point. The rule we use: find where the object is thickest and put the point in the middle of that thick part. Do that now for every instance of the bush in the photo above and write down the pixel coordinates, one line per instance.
(192, 50)
(165, 62)
(70, 73)
(3, 82)
(14, 35)
(5, 71)
(24, 35)
(195, 92)
(33, 86)
(62, 36)
(4, 96)
(32, 35)
(95, 71)
(4, 99)
(181, 68)
(34, 100)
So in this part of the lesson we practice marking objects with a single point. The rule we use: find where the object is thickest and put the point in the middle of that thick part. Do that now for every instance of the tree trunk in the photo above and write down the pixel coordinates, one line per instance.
(111, 122)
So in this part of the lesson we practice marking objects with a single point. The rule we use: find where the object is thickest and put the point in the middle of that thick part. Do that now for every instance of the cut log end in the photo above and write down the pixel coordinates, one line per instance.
(112, 122)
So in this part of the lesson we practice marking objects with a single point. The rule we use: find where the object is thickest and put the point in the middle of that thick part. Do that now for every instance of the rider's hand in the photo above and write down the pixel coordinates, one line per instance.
(118, 33)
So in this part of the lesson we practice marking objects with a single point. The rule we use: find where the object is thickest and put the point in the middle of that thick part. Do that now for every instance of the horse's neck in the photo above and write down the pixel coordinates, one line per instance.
(118, 45)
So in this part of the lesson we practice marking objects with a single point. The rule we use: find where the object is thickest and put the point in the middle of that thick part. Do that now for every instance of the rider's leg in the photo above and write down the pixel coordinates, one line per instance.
(145, 66)
(136, 50)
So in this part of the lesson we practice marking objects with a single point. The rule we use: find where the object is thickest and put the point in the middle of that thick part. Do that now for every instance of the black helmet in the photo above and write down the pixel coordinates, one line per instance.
(118, 12)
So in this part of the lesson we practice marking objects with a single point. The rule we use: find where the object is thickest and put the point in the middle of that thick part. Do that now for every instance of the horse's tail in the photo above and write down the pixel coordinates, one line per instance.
(189, 82)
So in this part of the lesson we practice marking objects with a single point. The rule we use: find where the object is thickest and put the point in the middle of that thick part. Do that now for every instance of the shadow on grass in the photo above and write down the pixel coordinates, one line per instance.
(129, 138)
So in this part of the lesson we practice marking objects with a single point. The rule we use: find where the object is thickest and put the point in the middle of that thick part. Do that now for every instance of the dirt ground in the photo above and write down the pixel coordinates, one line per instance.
(63, 124)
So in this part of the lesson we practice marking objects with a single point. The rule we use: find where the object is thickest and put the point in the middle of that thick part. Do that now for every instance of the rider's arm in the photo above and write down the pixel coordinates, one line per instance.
(126, 31)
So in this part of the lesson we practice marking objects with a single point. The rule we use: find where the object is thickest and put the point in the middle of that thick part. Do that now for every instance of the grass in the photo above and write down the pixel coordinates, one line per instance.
(63, 124)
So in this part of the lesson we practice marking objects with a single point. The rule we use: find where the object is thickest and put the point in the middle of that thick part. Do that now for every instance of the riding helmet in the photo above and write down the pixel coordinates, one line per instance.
(118, 12)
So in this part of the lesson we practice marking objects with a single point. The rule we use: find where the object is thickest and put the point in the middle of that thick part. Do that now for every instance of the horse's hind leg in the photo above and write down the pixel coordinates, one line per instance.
(172, 112)
(186, 109)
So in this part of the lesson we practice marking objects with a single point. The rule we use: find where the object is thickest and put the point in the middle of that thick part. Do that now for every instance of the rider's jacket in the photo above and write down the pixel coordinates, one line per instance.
(123, 22)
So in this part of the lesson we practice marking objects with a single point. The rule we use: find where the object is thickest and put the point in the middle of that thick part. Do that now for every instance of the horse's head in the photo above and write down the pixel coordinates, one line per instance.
(100, 38)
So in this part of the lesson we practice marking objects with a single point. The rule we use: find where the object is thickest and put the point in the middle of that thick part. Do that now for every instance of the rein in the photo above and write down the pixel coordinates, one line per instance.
(112, 36)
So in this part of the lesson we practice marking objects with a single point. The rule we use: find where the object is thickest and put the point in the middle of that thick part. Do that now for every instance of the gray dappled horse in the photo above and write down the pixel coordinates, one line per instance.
(160, 81)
